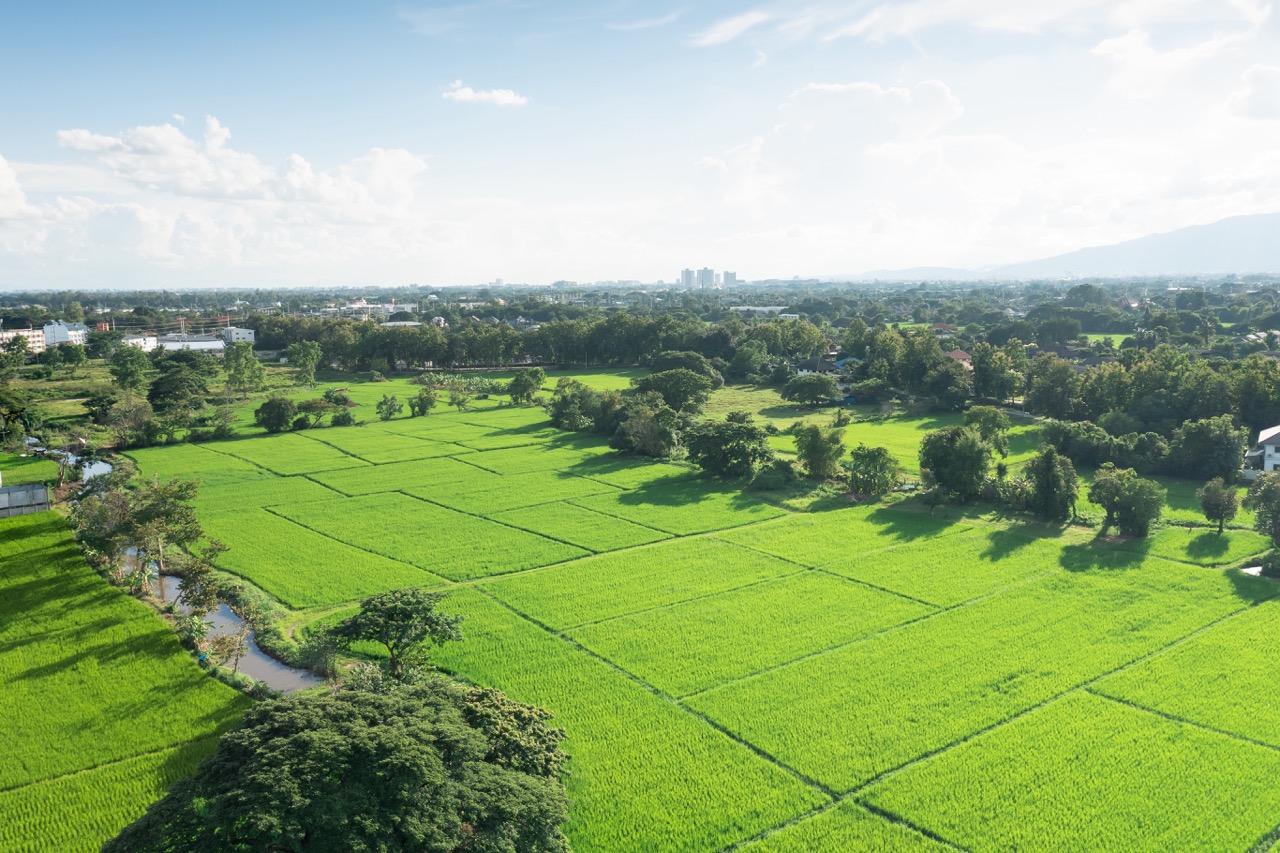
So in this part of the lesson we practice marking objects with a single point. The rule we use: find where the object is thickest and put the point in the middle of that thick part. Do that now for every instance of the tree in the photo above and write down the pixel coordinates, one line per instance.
(734, 447)
(694, 361)
(948, 385)
(305, 356)
(1212, 447)
(810, 389)
(459, 398)
(244, 372)
(129, 366)
(1054, 485)
(176, 389)
(53, 357)
(1264, 499)
(406, 622)
(276, 414)
(133, 422)
(1141, 504)
(872, 470)
(681, 389)
(422, 403)
(388, 407)
(1053, 387)
(820, 450)
(525, 384)
(426, 768)
(1131, 503)
(1218, 501)
(646, 425)
(955, 459)
(74, 357)
(992, 424)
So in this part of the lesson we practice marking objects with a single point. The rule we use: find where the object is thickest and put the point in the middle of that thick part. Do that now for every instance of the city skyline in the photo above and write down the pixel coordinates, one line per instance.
(324, 144)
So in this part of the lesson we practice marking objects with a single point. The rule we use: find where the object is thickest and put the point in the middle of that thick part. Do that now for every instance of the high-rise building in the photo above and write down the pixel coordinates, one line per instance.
(686, 278)
(730, 278)
(706, 278)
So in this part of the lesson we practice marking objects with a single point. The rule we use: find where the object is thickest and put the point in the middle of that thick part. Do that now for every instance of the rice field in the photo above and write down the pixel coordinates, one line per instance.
(102, 708)
(1099, 773)
(732, 674)
(442, 541)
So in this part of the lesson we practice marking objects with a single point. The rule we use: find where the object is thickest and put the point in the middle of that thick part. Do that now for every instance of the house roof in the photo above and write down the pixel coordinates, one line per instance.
(1270, 435)
(818, 365)
(959, 355)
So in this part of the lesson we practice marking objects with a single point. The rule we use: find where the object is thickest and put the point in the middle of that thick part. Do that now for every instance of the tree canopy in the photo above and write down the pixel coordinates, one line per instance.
(405, 622)
(955, 459)
(431, 767)
(734, 447)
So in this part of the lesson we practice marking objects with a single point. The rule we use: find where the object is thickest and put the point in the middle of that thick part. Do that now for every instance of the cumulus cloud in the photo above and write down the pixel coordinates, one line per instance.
(1259, 96)
(1141, 70)
(497, 97)
(13, 201)
(729, 29)
(166, 159)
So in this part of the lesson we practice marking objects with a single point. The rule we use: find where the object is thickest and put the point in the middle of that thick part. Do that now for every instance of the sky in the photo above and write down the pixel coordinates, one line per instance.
(340, 143)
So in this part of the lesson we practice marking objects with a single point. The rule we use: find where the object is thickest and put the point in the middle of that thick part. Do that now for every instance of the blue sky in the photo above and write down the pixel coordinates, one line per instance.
(171, 144)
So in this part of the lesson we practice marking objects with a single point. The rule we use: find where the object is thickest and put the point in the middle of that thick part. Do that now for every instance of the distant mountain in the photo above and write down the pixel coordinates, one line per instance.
(1240, 244)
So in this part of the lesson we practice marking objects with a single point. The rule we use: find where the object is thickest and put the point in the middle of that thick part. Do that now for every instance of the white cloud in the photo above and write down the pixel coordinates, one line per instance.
(1141, 70)
(729, 29)
(904, 19)
(1259, 96)
(13, 201)
(497, 97)
(647, 23)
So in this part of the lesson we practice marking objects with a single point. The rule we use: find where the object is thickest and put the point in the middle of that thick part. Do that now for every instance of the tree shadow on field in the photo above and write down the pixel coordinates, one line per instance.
(1099, 554)
(905, 523)
(1003, 542)
(1208, 545)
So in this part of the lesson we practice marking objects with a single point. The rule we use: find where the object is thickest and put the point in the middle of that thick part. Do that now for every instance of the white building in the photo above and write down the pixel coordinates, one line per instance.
(35, 338)
(232, 335)
(146, 343)
(706, 278)
(1265, 455)
(205, 343)
(58, 332)
(730, 279)
(686, 278)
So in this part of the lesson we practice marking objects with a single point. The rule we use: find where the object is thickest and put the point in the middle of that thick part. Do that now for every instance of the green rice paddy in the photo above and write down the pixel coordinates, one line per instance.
(102, 708)
(732, 674)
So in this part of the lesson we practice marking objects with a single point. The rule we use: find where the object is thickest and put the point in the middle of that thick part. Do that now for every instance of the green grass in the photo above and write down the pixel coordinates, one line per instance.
(379, 447)
(1224, 678)
(1088, 774)
(1181, 506)
(561, 456)
(90, 680)
(17, 469)
(497, 494)
(81, 811)
(582, 527)
(1202, 547)
(302, 568)
(287, 454)
(697, 644)
(628, 581)
(645, 774)
(423, 473)
(896, 696)
(431, 537)
(955, 569)
(821, 538)
(683, 507)
(845, 826)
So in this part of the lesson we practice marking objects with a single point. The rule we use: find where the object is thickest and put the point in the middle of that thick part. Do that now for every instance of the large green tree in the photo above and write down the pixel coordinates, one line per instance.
(526, 384)
(129, 366)
(872, 470)
(1218, 501)
(1264, 499)
(1054, 486)
(810, 389)
(305, 356)
(955, 459)
(734, 447)
(428, 768)
(404, 621)
(681, 389)
(820, 450)
(244, 372)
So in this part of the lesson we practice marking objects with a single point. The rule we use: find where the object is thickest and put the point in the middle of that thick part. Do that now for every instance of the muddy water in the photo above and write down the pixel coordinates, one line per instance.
(255, 663)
